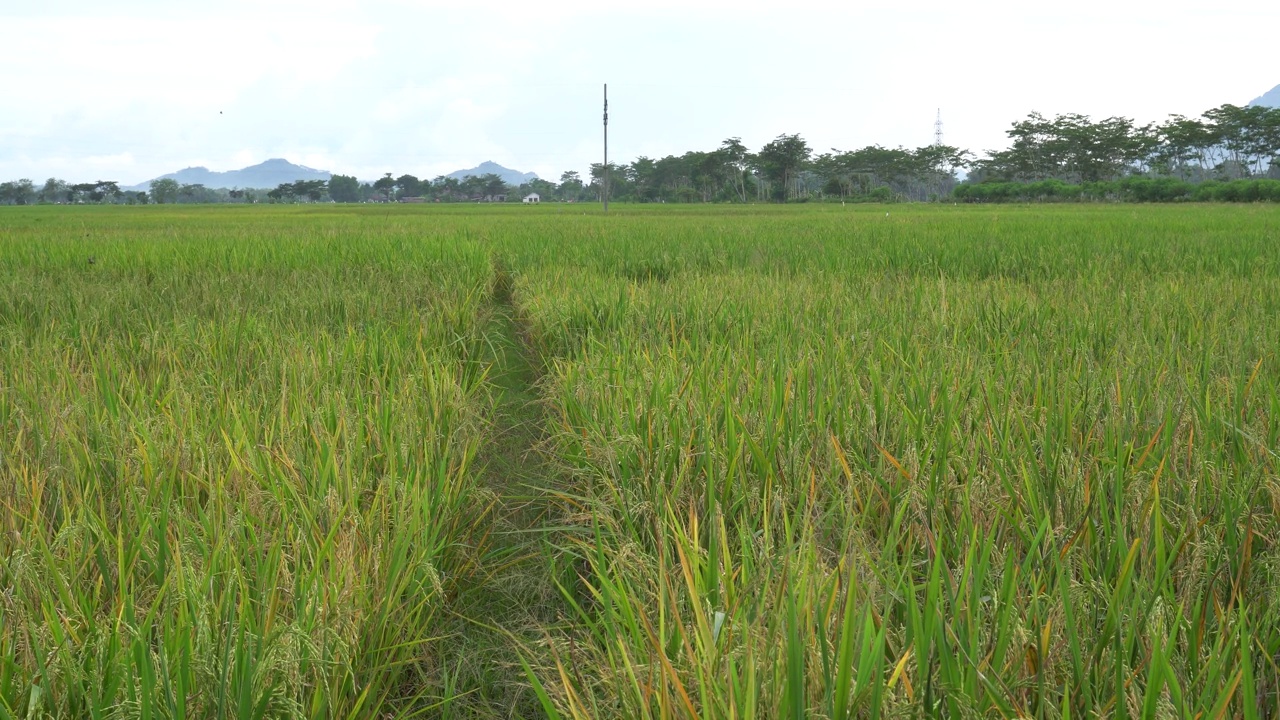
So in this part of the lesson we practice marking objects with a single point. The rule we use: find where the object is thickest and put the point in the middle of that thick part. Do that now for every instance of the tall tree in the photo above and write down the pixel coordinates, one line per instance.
(18, 192)
(165, 190)
(736, 157)
(570, 187)
(408, 186)
(472, 187)
(643, 171)
(446, 188)
(1183, 146)
(492, 185)
(313, 190)
(54, 191)
(344, 189)
(104, 189)
(192, 192)
(385, 185)
(781, 160)
(619, 180)
(282, 192)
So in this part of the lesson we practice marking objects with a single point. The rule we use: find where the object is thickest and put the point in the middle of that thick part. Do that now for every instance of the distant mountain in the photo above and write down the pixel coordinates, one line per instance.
(509, 176)
(1271, 99)
(263, 175)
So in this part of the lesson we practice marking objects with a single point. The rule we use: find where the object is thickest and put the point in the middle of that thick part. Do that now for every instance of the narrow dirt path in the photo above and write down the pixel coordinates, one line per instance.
(517, 598)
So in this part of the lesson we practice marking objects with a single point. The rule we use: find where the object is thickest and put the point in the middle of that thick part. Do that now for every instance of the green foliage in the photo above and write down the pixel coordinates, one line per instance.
(165, 190)
(20, 192)
(408, 186)
(1226, 143)
(54, 191)
(344, 189)
(878, 172)
(385, 185)
(311, 190)
(1071, 147)
(1130, 189)
(781, 160)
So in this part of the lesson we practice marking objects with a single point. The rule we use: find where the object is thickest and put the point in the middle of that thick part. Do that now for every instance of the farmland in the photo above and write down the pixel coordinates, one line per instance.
(713, 462)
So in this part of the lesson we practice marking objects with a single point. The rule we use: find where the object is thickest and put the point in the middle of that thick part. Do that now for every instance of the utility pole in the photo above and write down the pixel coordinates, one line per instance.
(605, 194)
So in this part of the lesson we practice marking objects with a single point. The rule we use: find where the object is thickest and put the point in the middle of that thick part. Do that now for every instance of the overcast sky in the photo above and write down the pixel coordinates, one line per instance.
(130, 89)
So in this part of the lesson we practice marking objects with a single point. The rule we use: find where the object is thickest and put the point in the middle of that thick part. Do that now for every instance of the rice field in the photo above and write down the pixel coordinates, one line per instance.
(704, 462)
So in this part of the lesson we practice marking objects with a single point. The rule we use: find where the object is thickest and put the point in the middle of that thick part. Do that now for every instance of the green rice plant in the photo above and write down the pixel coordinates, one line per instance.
(898, 474)
(772, 461)
(237, 474)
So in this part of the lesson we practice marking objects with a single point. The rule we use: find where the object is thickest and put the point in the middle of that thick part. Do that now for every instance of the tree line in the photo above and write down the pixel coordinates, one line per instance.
(25, 192)
(1223, 144)
(472, 188)
(1069, 156)
(166, 190)
(784, 169)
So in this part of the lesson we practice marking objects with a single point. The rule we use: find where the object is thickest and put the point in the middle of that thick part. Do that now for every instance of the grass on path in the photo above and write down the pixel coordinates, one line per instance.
(509, 610)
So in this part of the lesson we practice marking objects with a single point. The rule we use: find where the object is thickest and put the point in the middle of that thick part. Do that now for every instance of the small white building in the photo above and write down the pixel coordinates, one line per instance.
(532, 199)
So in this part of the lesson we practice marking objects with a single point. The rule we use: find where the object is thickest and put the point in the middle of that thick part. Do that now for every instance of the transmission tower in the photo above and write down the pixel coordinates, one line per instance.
(937, 129)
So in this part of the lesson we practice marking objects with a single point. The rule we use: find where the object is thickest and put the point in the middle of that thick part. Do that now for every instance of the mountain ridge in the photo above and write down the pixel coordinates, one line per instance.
(1271, 98)
(509, 176)
(271, 173)
(266, 174)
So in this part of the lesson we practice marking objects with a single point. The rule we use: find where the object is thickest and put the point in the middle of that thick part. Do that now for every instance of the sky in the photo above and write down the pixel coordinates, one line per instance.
(132, 89)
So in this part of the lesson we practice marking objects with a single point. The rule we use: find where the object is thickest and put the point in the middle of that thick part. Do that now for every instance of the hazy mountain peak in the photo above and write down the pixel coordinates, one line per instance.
(1270, 99)
(266, 174)
(509, 176)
